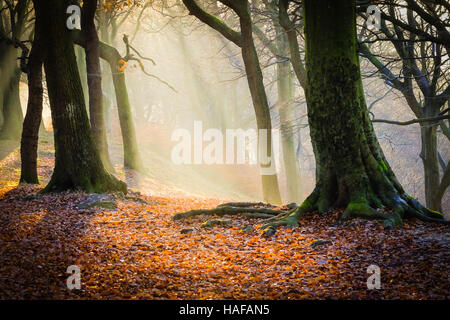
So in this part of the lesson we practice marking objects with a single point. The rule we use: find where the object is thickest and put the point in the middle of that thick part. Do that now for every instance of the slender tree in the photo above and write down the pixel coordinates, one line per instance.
(279, 48)
(94, 79)
(9, 83)
(419, 75)
(244, 39)
(33, 117)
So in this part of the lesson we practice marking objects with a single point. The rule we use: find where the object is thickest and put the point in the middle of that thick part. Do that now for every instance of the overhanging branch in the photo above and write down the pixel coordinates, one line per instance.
(421, 120)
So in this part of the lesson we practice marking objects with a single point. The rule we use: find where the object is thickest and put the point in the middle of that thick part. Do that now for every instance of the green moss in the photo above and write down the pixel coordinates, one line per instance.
(359, 207)
(306, 205)
(434, 214)
(212, 223)
(382, 165)
(392, 222)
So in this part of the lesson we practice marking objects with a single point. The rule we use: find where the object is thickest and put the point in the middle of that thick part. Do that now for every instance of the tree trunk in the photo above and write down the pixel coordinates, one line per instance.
(294, 48)
(271, 192)
(94, 79)
(77, 162)
(10, 74)
(33, 117)
(351, 170)
(9, 84)
(285, 88)
(132, 159)
(430, 161)
(81, 63)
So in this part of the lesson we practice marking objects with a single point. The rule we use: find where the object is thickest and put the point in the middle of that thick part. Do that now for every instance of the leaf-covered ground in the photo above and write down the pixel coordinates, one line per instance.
(136, 251)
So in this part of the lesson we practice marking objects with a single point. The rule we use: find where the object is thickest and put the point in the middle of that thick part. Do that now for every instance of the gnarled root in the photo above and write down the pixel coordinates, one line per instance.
(290, 219)
(236, 209)
(420, 212)
(402, 207)
(398, 208)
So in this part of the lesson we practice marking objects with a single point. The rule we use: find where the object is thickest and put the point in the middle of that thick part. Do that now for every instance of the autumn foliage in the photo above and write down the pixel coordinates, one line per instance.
(137, 251)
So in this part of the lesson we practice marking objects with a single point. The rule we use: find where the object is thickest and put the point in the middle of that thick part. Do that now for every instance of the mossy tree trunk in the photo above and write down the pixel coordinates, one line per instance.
(94, 80)
(77, 162)
(351, 170)
(132, 158)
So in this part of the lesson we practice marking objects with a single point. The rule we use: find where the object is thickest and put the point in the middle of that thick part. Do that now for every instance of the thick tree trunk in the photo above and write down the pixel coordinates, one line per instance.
(271, 192)
(351, 170)
(77, 162)
(94, 80)
(348, 173)
(33, 117)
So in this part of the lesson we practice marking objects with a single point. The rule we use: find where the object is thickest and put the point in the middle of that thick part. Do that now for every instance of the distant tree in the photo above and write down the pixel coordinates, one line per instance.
(414, 61)
(244, 40)
(278, 46)
(13, 17)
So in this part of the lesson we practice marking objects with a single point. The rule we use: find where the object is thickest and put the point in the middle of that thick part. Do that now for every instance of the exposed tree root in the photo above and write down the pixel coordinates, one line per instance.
(402, 207)
(241, 204)
(221, 210)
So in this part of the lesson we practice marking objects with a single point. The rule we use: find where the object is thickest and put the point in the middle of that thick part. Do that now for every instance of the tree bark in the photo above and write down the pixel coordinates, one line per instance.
(33, 117)
(77, 162)
(271, 191)
(94, 80)
(351, 170)
(132, 159)
(430, 162)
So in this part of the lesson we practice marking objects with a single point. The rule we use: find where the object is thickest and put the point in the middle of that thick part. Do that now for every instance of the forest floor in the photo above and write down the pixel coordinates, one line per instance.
(134, 250)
